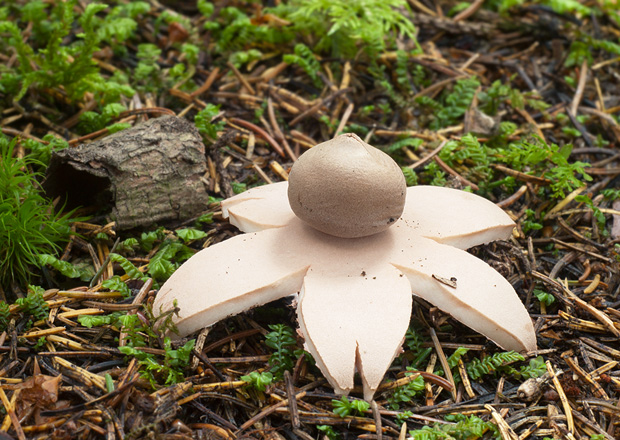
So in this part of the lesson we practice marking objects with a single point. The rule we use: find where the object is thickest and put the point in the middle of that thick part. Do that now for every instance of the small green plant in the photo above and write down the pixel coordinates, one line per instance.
(530, 223)
(305, 59)
(94, 121)
(258, 381)
(548, 160)
(148, 240)
(329, 431)
(204, 219)
(121, 23)
(40, 343)
(454, 358)
(91, 321)
(402, 417)
(234, 31)
(402, 71)
(147, 72)
(84, 273)
(172, 250)
(481, 367)
(544, 297)
(465, 428)
(558, 6)
(115, 284)
(342, 28)
(282, 340)
(535, 368)
(413, 342)
(140, 333)
(405, 142)
(596, 211)
(563, 176)
(190, 234)
(243, 57)
(499, 92)
(175, 360)
(406, 393)
(470, 152)
(411, 178)
(33, 305)
(611, 194)
(5, 316)
(345, 407)
(204, 121)
(239, 187)
(384, 82)
(453, 361)
(167, 259)
(129, 268)
(29, 225)
(455, 103)
(59, 64)
(42, 151)
(435, 174)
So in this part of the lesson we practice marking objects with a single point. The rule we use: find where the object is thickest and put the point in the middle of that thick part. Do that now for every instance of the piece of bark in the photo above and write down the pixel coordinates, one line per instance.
(146, 174)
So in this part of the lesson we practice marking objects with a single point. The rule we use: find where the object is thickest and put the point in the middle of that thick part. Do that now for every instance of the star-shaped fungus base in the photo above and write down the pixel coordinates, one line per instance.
(355, 293)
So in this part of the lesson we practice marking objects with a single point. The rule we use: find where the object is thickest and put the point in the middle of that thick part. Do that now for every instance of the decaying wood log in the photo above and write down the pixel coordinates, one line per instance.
(147, 174)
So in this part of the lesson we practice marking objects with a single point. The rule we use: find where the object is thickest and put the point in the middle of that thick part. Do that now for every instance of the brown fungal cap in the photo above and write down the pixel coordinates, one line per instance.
(347, 188)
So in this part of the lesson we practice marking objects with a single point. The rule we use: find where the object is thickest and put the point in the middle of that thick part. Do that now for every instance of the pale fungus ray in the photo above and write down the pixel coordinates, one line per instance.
(362, 245)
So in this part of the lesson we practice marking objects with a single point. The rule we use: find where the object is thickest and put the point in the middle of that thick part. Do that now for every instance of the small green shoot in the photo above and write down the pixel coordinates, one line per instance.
(530, 223)
(204, 121)
(258, 381)
(411, 178)
(343, 27)
(66, 268)
(414, 341)
(5, 316)
(115, 284)
(109, 383)
(535, 368)
(281, 339)
(238, 187)
(140, 334)
(465, 428)
(598, 215)
(544, 297)
(129, 268)
(488, 365)
(406, 393)
(91, 321)
(345, 407)
(40, 344)
(34, 305)
(190, 234)
(305, 58)
(611, 194)
(329, 431)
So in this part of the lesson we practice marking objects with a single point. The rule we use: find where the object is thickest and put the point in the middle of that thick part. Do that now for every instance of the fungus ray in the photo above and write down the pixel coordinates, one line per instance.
(225, 279)
(259, 208)
(345, 315)
(455, 217)
(468, 289)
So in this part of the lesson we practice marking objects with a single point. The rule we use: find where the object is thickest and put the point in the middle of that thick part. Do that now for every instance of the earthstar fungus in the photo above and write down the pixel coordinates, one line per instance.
(355, 286)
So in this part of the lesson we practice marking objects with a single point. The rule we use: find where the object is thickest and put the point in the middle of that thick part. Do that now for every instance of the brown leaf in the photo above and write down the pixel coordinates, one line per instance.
(40, 391)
